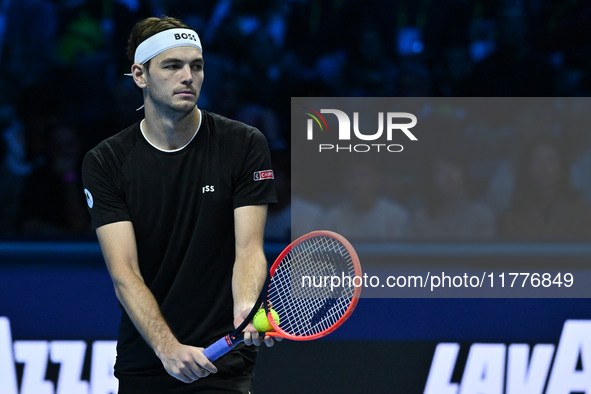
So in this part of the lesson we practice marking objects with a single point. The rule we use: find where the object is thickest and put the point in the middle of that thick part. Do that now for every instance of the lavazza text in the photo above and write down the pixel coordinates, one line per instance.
(516, 368)
(83, 367)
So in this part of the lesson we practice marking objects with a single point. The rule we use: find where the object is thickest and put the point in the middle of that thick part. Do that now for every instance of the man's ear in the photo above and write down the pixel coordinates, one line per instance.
(138, 73)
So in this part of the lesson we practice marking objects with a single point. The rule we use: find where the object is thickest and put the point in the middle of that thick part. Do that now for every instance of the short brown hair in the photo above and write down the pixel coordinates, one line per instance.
(146, 28)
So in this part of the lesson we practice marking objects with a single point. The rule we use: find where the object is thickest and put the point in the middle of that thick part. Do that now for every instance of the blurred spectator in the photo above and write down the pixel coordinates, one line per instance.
(306, 211)
(126, 98)
(515, 68)
(14, 168)
(574, 114)
(268, 51)
(449, 212)
(83, 37)
(28, 41)
(293, 215)
(369, 69)
(532, 123)
(264, 119)
(544, 204)
(452, 73)
(366, 214)
(53, 201)
(413, 79)
(306, 216)
(227, 97)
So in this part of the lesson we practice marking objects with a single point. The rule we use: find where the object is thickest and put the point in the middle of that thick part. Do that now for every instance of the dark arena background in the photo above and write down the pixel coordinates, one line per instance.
(62, 90)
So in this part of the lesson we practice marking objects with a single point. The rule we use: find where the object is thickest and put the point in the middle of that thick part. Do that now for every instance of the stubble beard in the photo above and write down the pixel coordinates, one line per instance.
(171, 108)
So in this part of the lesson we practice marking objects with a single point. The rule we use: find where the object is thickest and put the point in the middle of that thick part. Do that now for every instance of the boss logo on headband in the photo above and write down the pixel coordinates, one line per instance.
(185, 36)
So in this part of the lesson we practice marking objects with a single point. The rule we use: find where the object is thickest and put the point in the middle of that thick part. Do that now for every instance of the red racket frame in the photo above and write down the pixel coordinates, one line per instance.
(277, 331)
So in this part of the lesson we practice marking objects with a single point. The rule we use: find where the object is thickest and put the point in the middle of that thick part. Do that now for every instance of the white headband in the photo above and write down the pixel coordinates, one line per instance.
(165, 40)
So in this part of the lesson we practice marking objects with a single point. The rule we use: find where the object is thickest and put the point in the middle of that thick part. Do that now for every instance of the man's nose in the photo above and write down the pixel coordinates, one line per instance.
(186, 74)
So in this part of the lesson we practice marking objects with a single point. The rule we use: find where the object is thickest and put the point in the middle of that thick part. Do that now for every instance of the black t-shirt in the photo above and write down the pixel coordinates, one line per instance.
(181, 204)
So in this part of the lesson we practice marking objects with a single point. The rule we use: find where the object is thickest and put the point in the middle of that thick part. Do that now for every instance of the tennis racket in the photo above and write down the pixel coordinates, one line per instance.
(312, 287)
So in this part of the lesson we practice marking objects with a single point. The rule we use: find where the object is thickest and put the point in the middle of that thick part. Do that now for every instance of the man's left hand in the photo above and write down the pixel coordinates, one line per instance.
(251, 335)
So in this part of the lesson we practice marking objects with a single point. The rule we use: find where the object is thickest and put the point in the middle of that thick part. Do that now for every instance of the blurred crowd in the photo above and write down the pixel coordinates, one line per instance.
(483, 169)
(62, 90)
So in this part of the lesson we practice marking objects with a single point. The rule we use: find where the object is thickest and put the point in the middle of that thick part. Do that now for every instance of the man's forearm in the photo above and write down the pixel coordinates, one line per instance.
(117, 242)
(250, 266)
(144, 312)
(250, 270)
(183, 362)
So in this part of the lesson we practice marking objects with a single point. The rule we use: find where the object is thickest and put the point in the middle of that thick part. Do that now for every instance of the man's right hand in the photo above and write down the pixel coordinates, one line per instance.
(186, 363)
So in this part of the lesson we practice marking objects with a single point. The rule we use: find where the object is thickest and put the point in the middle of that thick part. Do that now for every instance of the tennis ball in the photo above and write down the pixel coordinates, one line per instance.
(260, 321)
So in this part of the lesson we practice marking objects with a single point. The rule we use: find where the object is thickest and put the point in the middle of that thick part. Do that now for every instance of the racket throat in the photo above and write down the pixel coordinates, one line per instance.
(233, 340)
(229, 341)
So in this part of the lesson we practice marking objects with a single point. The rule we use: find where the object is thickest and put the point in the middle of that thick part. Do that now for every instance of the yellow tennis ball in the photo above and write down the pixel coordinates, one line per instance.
(260, 321)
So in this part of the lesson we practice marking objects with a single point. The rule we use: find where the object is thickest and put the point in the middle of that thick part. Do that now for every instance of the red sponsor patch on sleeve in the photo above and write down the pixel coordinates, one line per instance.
(262, 175)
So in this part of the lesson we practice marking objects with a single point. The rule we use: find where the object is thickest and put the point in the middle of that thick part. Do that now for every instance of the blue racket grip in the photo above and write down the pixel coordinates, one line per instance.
(220, 347)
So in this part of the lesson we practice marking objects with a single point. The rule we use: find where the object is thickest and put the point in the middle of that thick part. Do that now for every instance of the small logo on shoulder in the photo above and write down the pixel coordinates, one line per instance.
(262, 175)
(89, 199)
(208, 189)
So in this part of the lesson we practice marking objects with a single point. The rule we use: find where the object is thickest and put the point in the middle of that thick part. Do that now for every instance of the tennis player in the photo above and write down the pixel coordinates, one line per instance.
(179, 203)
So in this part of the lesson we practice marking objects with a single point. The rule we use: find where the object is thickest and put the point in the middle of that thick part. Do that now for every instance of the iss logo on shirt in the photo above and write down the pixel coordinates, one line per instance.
(262, 175)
